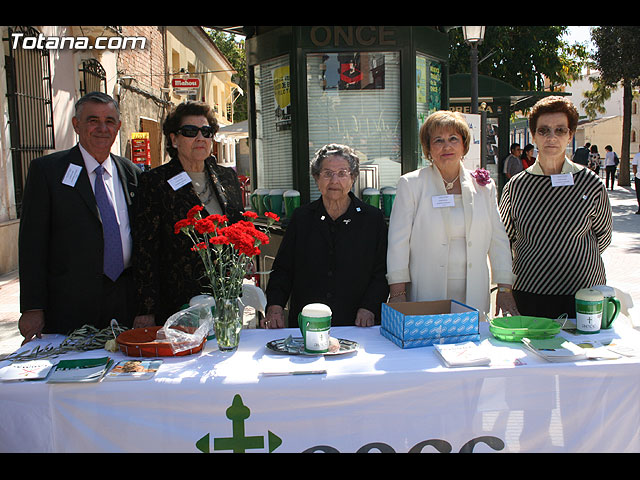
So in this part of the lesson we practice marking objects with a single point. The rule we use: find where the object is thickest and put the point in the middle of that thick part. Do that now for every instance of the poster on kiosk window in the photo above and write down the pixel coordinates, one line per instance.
(472, 160)
(140, 151)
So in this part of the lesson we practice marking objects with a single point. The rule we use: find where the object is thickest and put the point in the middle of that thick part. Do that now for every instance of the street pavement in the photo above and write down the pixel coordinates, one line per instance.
(622, 262)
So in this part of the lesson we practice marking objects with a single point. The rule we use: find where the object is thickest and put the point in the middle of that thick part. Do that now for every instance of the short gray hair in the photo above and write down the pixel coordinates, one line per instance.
(96, 97)
(331, 149)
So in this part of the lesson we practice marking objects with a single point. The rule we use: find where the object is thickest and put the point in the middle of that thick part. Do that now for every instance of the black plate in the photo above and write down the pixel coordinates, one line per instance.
(295, 346)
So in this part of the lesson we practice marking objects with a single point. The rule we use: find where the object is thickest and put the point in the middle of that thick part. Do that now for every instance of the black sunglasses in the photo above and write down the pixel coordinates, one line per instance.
(191, 131)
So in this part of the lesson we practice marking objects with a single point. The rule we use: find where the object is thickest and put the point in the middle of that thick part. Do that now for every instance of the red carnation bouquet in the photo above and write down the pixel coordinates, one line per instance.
(226, 250)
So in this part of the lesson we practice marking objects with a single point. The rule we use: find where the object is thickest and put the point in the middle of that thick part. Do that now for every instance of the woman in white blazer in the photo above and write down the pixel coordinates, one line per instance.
(445, 231)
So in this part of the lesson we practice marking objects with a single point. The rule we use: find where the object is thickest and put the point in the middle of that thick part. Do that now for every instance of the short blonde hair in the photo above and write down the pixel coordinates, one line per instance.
(444, 119)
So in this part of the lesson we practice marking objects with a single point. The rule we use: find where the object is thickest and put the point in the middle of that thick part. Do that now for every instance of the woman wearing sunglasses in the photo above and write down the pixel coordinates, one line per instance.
(167, 274)
(557, 216)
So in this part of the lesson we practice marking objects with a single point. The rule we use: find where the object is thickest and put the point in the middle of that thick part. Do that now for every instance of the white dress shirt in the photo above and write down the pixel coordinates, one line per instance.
(116, 196)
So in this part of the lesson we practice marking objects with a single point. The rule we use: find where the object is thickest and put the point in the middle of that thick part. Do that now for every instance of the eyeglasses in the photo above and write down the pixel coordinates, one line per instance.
(191, 131)
(547, 131)
(328, 174)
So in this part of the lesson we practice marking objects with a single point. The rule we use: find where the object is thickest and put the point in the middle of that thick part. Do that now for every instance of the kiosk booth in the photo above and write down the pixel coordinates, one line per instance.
(369, 87)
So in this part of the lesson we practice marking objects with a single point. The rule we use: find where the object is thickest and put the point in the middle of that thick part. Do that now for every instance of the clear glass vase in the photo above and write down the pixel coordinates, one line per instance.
(227, 323)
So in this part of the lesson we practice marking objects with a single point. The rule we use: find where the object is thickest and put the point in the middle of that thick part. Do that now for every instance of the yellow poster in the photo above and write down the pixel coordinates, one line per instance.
(282, 93)
(421, 79)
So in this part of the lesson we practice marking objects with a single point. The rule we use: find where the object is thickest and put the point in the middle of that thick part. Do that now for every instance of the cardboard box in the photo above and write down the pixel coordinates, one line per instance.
(420, 324)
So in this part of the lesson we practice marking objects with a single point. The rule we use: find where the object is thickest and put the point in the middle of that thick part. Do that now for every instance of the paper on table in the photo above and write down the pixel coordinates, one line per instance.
(291, 364)
(595, 350)
(32, 370)
(625, 347)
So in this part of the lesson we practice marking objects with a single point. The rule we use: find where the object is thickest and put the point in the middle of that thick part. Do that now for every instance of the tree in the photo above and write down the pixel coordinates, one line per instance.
(593, 103)
(522, 56)
(617, 57)
(234, 51)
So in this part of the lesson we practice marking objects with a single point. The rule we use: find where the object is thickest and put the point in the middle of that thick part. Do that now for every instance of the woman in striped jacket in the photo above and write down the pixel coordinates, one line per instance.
(557, 216)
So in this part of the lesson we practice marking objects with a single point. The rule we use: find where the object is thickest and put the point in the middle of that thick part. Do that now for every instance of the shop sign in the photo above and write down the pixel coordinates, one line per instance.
(185, 83)
(352, 36)
(185, 86)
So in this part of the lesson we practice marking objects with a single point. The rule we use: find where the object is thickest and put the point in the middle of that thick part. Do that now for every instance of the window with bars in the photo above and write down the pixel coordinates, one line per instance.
(94, 77)
(30, 105)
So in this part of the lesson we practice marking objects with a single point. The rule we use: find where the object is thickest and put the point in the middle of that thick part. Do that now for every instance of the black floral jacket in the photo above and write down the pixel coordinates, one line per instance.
(167, 273)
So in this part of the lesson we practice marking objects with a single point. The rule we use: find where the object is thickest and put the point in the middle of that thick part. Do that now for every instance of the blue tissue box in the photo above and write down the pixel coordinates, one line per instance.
(420, 324)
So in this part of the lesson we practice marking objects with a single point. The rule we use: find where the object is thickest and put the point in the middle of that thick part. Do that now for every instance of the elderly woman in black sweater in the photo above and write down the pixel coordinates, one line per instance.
(333, 252)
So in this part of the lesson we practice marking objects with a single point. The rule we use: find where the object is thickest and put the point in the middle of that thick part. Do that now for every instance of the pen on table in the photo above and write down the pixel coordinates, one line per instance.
(296, 372)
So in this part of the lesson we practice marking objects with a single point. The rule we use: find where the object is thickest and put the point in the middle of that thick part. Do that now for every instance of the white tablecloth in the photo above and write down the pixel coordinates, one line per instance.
(380, 398)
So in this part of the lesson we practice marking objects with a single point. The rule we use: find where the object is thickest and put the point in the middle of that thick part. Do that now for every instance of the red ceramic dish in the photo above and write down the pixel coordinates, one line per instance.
(140, 342)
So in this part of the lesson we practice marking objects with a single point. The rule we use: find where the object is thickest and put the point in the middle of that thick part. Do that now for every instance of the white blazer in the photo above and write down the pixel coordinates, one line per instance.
(419, 245)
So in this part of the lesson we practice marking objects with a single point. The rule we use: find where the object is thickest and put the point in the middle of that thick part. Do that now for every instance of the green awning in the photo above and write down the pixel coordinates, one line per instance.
(492, 90)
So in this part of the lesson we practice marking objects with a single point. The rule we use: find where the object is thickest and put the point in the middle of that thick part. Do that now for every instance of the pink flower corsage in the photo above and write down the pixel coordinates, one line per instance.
(482, 176)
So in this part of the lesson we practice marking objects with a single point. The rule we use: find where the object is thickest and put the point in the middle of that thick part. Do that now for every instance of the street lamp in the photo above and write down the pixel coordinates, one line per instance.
(474, 36)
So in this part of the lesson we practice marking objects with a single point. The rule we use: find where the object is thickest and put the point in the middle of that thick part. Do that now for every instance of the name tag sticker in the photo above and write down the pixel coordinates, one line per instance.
(441, 201)
(71, 176)
(562, 180)
(179, 180)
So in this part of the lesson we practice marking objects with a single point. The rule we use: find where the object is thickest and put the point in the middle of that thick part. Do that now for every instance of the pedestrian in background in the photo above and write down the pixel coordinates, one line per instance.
(610, 165)
(527, 156)
(513, 164)
(635, 162)
(581, 155)
(594, 160)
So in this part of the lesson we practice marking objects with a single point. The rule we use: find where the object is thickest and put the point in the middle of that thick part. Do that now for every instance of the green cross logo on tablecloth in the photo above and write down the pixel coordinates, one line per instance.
(238, 412)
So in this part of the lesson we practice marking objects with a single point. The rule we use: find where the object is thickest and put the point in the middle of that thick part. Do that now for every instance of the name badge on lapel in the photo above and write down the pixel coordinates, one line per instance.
(179, 181)
(71, 176)
(442, 201)
(562, 180)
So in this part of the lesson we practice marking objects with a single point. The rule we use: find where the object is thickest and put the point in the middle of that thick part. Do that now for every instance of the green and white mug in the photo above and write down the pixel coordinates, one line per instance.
(291, 202)
(388, 197)
(274, 201)
(371, 196)
(611, 306)
(315, 324)
(257, 200)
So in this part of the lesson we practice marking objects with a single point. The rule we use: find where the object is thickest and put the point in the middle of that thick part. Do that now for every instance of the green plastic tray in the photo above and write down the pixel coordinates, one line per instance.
(514, 329)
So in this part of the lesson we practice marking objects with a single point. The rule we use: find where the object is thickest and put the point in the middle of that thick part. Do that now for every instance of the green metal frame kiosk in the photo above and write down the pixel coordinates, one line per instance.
(369, 87)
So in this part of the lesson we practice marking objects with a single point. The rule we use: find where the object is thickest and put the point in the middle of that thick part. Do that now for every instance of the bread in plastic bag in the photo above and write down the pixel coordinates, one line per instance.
(187, 328)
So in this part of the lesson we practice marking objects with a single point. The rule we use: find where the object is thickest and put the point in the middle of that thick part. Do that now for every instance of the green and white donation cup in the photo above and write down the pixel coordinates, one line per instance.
(274, 201)
(291, 201)
(589, 305)
(315, 324)
(257, 199)
(388, 197)
(371, 196)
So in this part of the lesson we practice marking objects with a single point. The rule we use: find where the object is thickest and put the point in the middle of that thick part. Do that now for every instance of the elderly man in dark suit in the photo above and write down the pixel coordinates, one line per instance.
(74, 246)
